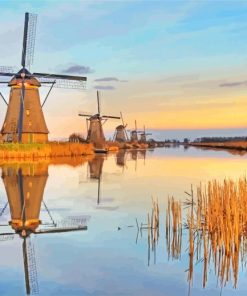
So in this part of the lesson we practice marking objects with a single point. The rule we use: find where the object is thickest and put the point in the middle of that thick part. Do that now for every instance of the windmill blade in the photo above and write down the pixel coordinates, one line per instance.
(98, 101)
(84, 115)
(7, 74)
(62, 83)
(28, 39)
(31, 277)
(108, 116)
(60, 229)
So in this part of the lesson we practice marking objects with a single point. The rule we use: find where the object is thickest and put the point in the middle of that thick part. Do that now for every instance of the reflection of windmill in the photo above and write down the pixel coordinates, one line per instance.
(134, 134)
(95, 131)
(121, 157)
(24, 120)
(95, 170)
(25, 188)
(138, 154)
(120, 133)
(144, 135)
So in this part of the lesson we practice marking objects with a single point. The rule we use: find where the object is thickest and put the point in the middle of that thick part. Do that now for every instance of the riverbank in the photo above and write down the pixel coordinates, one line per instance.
(47, 150)
(241, 145)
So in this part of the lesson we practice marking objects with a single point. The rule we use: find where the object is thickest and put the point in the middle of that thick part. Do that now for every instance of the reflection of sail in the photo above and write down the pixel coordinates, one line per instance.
(25, 189)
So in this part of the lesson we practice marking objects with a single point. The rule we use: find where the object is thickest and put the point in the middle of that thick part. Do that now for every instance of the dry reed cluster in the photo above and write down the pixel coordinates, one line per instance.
(217, 228)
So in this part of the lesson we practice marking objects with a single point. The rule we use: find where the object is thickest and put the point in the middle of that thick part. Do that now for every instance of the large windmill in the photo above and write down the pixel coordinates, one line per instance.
(121, 135)
(24, 120)
(95, 131)
(25, 188)
(144, 135)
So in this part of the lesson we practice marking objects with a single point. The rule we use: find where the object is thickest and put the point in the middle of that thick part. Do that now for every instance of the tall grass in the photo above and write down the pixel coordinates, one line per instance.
(35, 150)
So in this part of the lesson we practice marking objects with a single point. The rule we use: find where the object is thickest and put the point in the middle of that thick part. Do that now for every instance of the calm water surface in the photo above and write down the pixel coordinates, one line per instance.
(108, 194)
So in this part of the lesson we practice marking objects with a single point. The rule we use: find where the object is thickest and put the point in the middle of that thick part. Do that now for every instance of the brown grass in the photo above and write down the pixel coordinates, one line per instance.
(50, 150)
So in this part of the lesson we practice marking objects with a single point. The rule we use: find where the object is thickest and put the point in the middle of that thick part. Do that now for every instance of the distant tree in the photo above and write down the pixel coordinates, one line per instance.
(186, 140)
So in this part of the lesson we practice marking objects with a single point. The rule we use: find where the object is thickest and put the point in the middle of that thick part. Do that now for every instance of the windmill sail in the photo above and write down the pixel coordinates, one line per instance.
(28, 39)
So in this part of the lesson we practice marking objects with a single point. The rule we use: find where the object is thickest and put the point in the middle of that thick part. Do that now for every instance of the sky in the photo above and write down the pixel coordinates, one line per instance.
(171, 65)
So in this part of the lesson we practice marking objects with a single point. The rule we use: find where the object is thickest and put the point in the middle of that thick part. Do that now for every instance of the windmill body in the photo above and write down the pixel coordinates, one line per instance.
(34, 128)
(96, 133)
(120, 135)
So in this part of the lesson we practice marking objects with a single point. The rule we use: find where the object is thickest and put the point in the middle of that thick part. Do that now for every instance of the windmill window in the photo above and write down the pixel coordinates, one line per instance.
(30, 123)
(27, 112)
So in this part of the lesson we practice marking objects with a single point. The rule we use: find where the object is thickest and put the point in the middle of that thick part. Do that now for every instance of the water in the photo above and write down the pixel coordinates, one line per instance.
(110, 257)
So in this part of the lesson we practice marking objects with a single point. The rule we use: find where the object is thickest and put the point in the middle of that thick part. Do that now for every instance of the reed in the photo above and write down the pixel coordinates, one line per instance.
(219, 227)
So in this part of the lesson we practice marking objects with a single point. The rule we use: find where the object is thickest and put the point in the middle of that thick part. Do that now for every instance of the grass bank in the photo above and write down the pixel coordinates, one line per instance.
(241, 145)
(47, 150)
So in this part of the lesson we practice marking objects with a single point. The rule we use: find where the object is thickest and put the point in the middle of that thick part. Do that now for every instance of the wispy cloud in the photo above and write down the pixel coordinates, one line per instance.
(104, 87)
(107, 79)
(77, 69)
(234, 84)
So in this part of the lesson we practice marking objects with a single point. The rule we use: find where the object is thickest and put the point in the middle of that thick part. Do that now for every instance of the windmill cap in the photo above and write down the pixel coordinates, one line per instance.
(27, 76)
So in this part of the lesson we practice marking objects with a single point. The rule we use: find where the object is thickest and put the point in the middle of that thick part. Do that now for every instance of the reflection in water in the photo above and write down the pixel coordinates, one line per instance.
(24, 185)
(217, 227)
(152, 227)
(173, 229)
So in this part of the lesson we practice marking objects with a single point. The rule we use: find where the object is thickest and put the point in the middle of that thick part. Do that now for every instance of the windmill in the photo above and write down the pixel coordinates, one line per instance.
(25, 188)
(121, 135)
(144, 135)
(95, 131)
(134, 134)
(24, 121)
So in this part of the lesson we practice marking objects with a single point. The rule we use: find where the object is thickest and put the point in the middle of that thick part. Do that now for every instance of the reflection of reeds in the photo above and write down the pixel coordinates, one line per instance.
(152, 226)
(217, 226)
(173, 228)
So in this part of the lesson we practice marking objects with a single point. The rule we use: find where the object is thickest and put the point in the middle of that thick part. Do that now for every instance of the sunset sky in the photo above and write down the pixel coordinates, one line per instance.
(168, 64)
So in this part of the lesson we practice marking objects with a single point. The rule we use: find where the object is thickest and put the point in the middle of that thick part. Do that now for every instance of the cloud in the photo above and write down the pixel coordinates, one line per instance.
(107, 79)
(77, 69)
(234, 84)
(104, 87)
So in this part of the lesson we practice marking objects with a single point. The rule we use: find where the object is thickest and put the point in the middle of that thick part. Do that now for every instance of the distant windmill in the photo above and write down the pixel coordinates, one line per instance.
(24, 120)
(121, 135)
(25, 188)
(95, 131)
(134, 134)
(144, 135)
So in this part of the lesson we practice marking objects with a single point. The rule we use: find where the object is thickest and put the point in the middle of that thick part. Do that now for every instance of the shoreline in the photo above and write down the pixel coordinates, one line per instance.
(240, 146)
